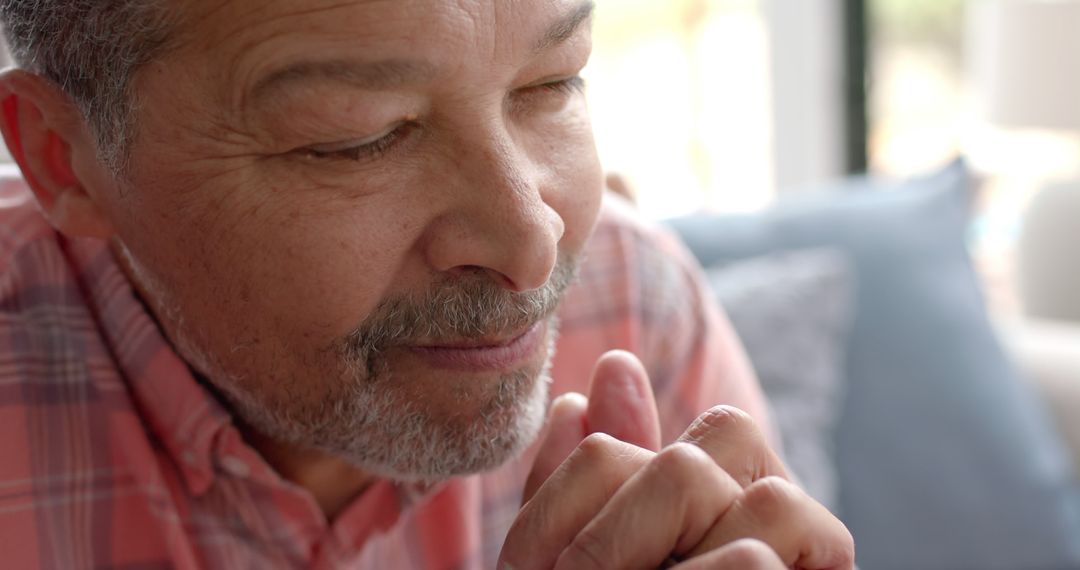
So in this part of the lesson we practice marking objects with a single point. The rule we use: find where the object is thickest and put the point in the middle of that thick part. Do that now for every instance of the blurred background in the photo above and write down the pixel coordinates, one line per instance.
(726, 104)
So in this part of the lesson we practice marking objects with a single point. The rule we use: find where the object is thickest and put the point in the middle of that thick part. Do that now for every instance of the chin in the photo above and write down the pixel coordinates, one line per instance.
(413, 425)
(453, 426)
(426, 451)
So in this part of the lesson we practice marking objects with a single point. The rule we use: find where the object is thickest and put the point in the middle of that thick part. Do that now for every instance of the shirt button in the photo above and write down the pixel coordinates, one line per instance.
(235, 466)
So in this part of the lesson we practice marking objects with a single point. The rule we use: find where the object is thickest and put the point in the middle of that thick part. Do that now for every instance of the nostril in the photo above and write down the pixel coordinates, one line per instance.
(478, 272)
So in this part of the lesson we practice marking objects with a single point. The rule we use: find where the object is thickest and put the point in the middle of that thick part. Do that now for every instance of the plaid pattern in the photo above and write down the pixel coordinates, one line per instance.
(113, 456)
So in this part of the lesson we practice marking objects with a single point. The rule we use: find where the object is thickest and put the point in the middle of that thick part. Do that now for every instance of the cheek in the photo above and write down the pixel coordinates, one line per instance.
(324, 271)
(576, 180)
(278, 269)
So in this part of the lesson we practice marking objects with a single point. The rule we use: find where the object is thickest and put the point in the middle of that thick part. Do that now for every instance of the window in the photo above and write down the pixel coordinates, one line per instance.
(679, 94)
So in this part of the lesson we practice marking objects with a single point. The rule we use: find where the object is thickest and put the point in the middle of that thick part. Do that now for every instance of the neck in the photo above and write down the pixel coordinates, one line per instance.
(333, 482)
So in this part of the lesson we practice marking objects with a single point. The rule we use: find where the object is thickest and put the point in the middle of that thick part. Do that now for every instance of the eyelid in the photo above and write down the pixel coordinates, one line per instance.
(569, 82)
(552, 80)
(564, 85)
(338, 146)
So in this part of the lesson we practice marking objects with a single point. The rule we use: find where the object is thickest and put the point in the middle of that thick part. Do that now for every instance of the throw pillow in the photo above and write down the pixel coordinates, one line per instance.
(793, 311)
(946, 458)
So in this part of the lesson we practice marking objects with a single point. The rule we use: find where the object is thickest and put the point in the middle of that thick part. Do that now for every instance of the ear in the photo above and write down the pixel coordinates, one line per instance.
(41, 126)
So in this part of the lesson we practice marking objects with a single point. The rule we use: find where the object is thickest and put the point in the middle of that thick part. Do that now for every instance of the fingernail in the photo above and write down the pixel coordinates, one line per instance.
(568, 402)
(567, 417)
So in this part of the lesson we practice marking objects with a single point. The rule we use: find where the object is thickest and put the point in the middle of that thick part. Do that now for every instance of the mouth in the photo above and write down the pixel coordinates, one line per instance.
(493, 354)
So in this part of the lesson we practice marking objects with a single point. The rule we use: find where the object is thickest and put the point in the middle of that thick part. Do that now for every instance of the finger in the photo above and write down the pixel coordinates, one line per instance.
(744, 554)
(666, 507)
(621, 404)
(568, 500)
(621, 401)
(565, 430)
(777, 512)
(731, 437)
(618, 184)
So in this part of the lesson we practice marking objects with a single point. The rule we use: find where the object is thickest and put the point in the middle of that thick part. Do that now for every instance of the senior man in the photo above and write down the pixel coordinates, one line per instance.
(279, 288)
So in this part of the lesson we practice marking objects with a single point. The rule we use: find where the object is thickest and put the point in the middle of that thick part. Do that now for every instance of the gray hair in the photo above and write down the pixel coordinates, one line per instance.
(91, 49)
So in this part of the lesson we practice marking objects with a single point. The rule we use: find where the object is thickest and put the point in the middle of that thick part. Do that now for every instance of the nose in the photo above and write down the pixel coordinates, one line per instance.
(499, 222)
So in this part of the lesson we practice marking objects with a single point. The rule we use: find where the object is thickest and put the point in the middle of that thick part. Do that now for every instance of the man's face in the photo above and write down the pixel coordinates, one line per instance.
(355, 218)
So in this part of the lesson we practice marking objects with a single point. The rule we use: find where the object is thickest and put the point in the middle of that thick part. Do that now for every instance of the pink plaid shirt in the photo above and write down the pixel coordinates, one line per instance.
(113, 456)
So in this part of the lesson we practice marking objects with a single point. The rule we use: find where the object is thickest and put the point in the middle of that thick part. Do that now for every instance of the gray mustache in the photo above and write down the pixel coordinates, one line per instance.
(460, 309)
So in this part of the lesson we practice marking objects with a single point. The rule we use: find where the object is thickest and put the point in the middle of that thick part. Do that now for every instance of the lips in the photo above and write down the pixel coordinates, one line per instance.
(484, 355)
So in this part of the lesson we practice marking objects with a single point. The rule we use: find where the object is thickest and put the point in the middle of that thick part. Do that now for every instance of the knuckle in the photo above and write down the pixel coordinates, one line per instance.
(841, 554)
(605, 456)
(727, 420)
(683, 464)
(733, 438)
(596, 447)
(750, 553)
(771, 499)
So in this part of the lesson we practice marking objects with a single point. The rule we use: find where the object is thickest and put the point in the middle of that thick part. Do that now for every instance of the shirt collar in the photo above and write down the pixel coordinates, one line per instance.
(181, 413)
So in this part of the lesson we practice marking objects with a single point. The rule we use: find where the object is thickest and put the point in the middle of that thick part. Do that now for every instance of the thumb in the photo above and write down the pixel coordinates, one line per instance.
(621, 401)
(620, 404)
(565, 430)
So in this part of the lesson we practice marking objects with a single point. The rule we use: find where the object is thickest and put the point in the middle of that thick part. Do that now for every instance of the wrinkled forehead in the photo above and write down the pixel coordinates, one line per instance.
(245, 25)
(243, 36)
(230, 47)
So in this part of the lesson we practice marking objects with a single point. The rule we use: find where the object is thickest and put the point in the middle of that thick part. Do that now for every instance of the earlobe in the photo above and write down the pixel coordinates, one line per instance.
(40, 124)
(74, 213)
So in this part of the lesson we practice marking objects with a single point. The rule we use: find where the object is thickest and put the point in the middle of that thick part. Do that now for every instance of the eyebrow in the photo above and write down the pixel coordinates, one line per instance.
(386, 74)
(566, 27)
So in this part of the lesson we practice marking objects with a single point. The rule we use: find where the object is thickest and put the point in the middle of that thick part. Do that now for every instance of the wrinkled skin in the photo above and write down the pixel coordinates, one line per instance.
(254, 221)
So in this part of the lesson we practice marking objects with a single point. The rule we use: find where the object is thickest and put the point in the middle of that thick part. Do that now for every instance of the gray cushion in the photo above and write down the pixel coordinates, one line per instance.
(946, 458)
(793, 311)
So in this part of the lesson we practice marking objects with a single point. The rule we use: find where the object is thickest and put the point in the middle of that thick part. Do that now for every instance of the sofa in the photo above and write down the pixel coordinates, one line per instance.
(943, 438)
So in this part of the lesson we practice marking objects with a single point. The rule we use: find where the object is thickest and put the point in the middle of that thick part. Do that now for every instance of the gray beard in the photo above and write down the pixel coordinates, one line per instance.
(365, 416)
(376, 428)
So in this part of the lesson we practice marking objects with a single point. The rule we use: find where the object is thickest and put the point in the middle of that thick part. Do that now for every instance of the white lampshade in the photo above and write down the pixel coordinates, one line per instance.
(1025, 59)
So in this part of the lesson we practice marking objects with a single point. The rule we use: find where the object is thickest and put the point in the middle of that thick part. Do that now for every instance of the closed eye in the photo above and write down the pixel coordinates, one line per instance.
(574, 84)
(548, 96)
(361, 149)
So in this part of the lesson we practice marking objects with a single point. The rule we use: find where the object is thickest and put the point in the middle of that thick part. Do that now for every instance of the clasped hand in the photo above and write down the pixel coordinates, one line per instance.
(603, 494)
